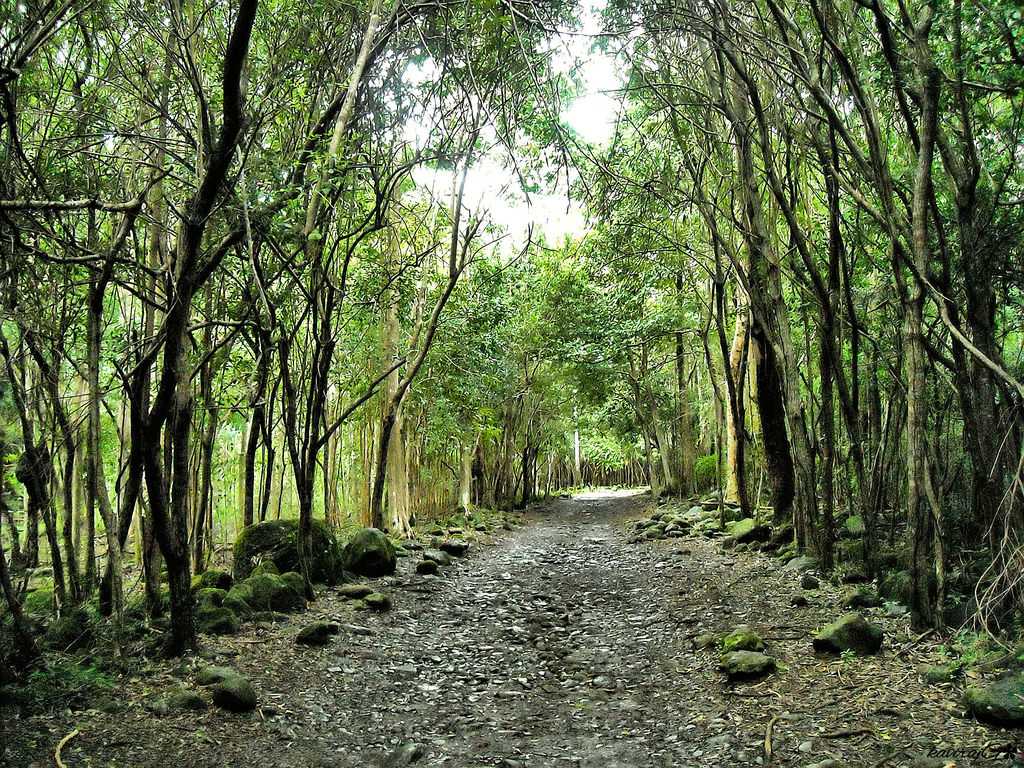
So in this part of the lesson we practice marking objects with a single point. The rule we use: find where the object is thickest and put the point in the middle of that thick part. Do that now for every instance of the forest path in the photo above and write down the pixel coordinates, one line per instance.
(560, 645)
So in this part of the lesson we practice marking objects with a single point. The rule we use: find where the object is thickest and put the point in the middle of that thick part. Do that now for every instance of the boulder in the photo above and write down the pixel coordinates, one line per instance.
(237, 600)
(355, 591)
(742, 638)
(378, 601)
(213, 674)
(860, 597)
(213, 620)
(369, 553)
(185, 700)
(210, 597)
(294, 580)
(746, 665)
(1000, 702)
(426, 567)
(266, 592)
(277, 542)
(407, 754)
(788, 553)
(318, 633)
(851, 632)
(705, 640)
(935, 674)
(275, 593)
(231, 690)
(234, 694)
(212, 578)
(439, 557)
(747, 530)
(800, 564)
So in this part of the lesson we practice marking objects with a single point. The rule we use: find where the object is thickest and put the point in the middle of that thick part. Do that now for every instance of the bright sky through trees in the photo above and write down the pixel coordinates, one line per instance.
(494, 187)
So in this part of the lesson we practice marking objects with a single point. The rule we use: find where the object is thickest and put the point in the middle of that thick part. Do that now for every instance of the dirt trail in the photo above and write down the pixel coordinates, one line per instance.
(561, 645)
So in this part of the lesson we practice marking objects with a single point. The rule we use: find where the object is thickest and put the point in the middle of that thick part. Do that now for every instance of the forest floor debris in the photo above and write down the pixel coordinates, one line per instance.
(562, 644)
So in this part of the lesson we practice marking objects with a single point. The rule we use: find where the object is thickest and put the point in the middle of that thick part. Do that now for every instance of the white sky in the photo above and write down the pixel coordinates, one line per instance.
(492, 187)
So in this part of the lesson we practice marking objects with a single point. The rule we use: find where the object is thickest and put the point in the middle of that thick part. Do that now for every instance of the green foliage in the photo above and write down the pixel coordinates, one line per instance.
(63, 683)
(705, 473)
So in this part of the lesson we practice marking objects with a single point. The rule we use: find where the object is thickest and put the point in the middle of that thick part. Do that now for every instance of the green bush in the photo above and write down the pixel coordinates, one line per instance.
(63, 683)
(705, 473)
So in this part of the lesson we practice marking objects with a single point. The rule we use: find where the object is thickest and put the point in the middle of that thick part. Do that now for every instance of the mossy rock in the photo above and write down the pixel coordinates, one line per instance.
(426, 567)
(137, 608)
(318, 633)
(355, 591)
(210, 597)
(277, 541)
(851, 632)
(437, 556)
(747, 530)
(746, 665)
(800, 563)
(212, 578)
(378, 601)
(454, 547)
(214, 674)
(295, 581)
(742, 638)
(185, 700)
(860, 597)
(935, 674)
(1000, 702)
(211, 620)
(705, 640)
(71, 632)
(237, 600)
(369, 553)
(235, 694)
(267, 592)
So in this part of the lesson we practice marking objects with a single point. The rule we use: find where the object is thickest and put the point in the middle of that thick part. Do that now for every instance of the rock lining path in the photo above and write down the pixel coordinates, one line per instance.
(561, 645)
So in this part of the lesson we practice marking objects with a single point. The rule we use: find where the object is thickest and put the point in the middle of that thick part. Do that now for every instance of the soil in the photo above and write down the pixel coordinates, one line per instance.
(557, 644)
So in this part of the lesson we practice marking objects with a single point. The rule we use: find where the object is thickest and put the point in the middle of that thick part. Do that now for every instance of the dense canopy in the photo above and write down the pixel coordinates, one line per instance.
(373, 264)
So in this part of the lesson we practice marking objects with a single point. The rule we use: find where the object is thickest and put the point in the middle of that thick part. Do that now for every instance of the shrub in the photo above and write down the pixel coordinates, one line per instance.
(705, 473)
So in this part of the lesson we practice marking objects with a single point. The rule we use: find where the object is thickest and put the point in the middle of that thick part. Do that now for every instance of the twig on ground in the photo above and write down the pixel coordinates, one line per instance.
(60, 745)
(768, 738)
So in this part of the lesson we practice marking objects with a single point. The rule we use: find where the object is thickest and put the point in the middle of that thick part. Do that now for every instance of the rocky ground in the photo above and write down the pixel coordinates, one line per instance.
(561, 645)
